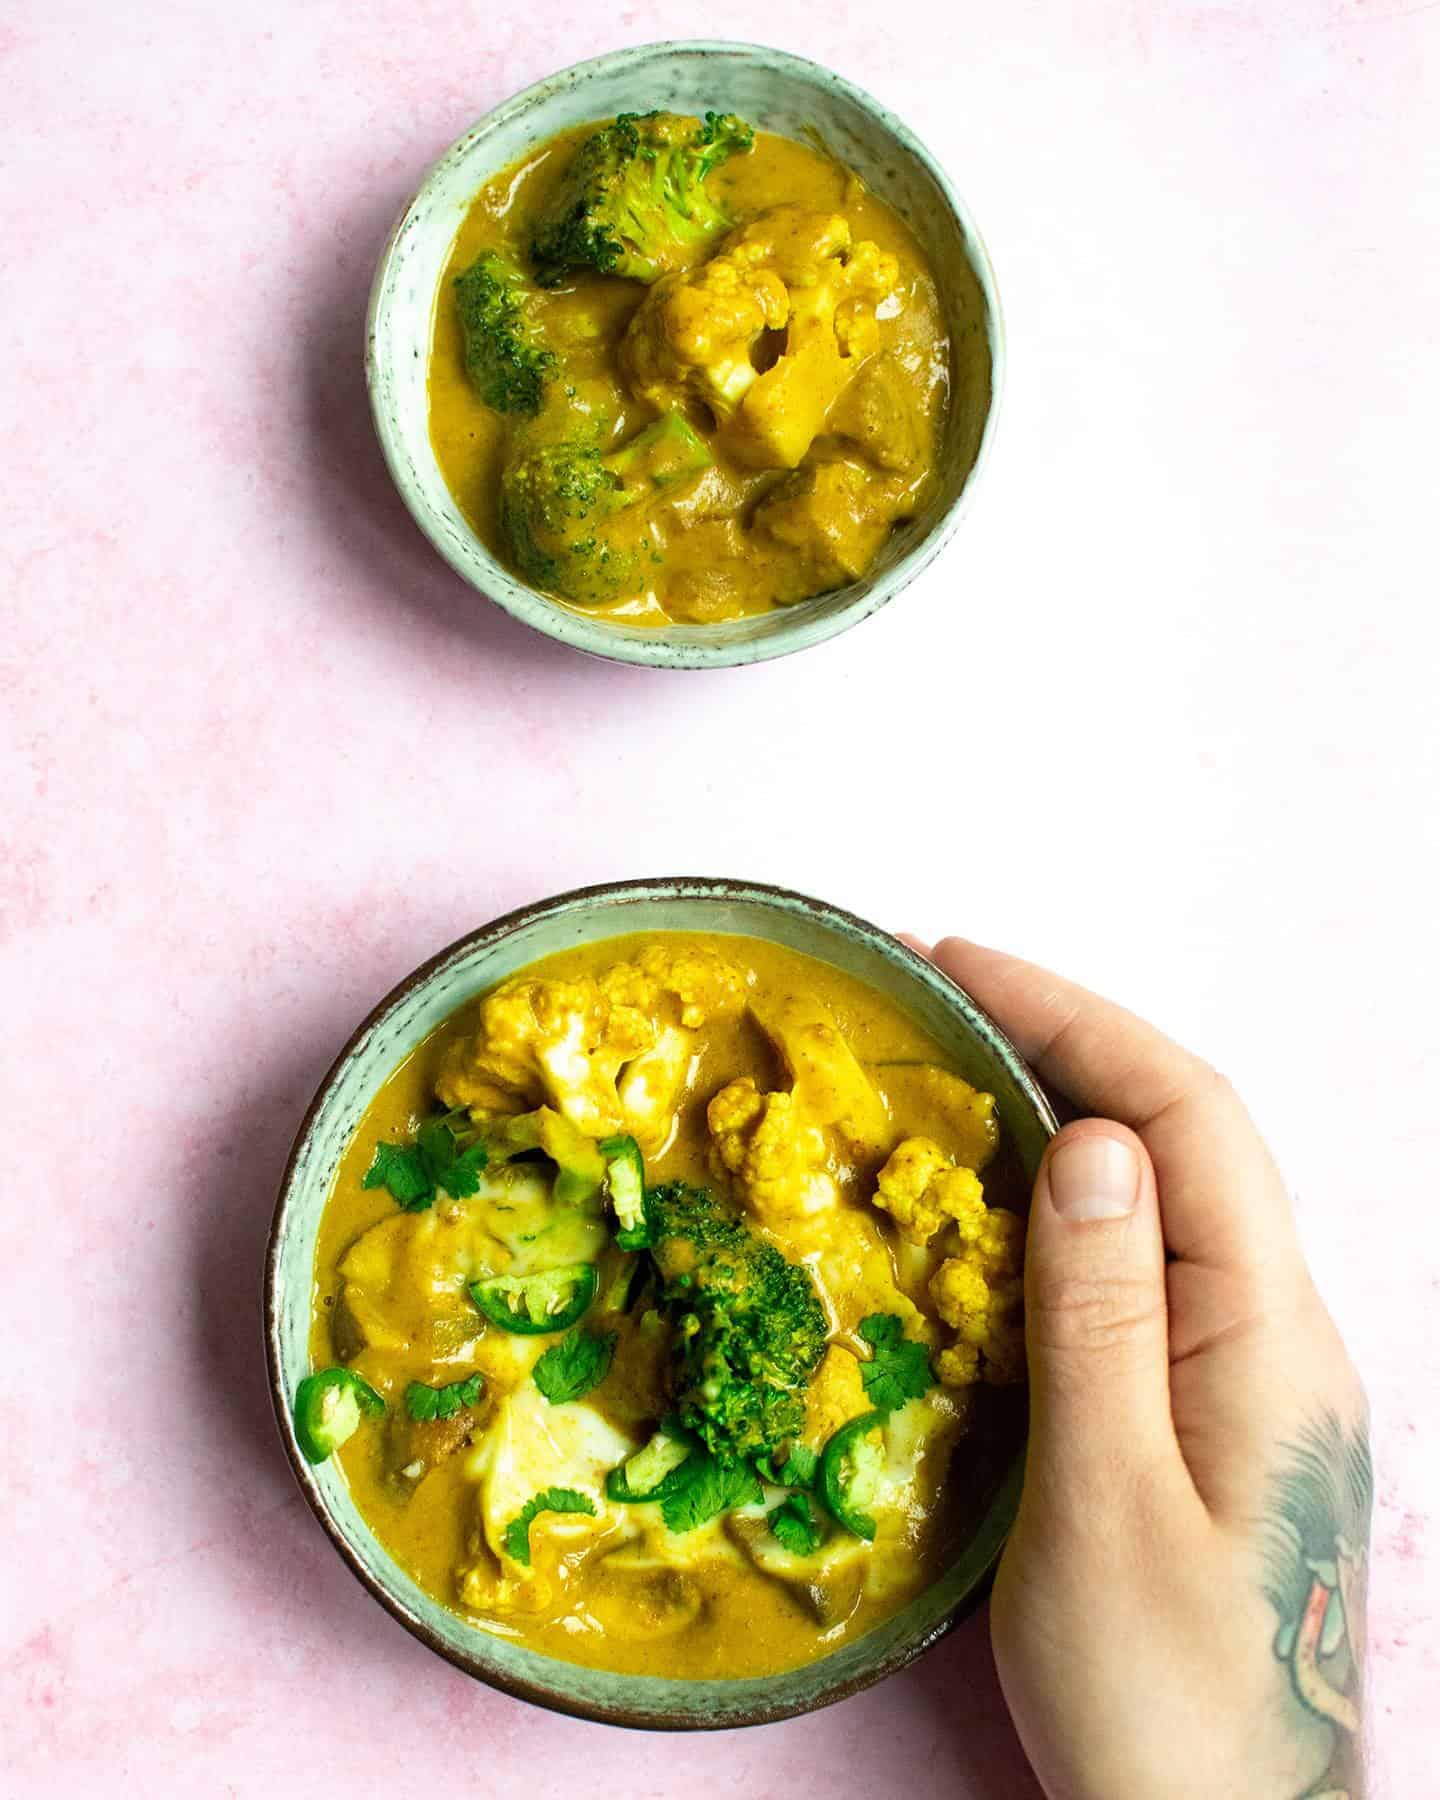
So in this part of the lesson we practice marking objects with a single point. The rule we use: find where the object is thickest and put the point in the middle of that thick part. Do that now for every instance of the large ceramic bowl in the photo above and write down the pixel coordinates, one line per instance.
(779, 93)
(387, 1037)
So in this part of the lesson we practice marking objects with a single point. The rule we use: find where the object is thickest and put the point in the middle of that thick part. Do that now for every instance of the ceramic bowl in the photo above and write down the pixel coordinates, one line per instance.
(780, 93)
(974, 1045)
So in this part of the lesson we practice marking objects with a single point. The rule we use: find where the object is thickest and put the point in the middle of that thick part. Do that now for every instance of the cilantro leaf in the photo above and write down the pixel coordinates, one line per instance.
(551, 1499)
(401, 1168)
(457, 1171)
(797, 1471)
(413, 1172)
(899, 1370)
(704, 1486)
(800, 1467)
(425, 1402)
(795, 1526)
(579, 1362)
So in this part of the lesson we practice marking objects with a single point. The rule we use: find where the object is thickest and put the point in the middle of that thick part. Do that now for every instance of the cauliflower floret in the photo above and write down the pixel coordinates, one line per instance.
(959, 1366)
(778, 1147)
(680, 990)
(922, 1190)
(773, 1154)
(693, 334)
(699, 981)
(832, 330)
(791, 269)
(650, 1087)
(996, 1240)
(547, 1042)
(610, 1054)
(979, 1294)
(962, 1297)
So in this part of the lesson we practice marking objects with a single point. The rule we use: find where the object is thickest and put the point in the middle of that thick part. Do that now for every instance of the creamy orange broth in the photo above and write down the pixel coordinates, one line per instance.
(738, 1621)
(586, 320)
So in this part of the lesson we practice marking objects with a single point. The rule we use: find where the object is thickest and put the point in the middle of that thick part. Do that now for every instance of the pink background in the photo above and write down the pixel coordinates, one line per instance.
(1163, 716)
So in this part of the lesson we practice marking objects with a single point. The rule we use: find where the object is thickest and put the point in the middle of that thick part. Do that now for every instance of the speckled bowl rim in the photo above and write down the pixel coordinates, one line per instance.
(595, 637)
(616, 895)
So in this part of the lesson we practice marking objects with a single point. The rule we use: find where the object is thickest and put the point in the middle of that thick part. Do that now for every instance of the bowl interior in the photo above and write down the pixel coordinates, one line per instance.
(408, 1016)
(780, 93)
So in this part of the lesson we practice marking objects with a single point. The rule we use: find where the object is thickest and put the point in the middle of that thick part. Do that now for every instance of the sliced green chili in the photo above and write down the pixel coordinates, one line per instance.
(650, 1474)
(625, 1184)
(328, 1409)
(552, 1300)
(625, 1289)
(849, 1470)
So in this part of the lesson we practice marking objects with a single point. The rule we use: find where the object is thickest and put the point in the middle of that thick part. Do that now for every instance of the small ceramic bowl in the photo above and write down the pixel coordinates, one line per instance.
(400, 1022)
(779, 93)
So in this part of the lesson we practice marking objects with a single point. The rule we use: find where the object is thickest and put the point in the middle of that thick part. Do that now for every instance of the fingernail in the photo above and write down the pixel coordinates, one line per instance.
(1094, 1177)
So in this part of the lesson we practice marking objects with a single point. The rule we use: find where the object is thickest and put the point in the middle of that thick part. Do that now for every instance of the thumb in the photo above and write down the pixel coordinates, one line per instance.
(1095, 1320)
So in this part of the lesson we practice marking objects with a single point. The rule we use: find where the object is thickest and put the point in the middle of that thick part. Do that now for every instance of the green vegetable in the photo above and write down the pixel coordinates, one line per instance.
(552, 1300)
(651, 1473)
(794, 1524)
(704, 1486)
(899, 1370)
(580, 1166)
(691, 1485)
(433, 1162)
(628, 1284)
(849, 1473)
(561, 506)
(506, 357)
(797, 1471)
(401, 1168)
(749, 1329)
(633, 202)
(576, 1364)
(551, 1499)
(424, 1402)
(328, 1409)
(625, 1185)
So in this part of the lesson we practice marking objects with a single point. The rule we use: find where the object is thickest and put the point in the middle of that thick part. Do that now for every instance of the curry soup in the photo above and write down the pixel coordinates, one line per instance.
(736, 1447)
(799, 368)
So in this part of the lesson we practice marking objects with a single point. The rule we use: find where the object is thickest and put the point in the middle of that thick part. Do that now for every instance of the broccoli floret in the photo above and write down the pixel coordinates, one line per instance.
(576, 519)
(506, 357)
(633, 200)
(749, 1328)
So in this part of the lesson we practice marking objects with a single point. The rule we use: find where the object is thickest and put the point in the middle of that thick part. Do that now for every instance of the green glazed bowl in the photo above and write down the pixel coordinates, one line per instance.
(407, 1016)
(779, 93)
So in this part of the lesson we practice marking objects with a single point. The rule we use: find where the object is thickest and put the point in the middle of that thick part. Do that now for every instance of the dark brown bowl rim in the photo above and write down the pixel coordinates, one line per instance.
(653, 887)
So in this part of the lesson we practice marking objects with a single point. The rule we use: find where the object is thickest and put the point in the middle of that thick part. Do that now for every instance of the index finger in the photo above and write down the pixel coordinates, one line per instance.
(1222, 1199)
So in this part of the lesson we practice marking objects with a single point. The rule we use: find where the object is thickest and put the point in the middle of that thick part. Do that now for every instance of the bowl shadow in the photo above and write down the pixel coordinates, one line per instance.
(261, 1527)
(231, 1211)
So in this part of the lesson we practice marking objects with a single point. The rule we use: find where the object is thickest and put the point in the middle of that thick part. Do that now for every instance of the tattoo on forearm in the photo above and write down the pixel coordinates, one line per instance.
(1317, 1524)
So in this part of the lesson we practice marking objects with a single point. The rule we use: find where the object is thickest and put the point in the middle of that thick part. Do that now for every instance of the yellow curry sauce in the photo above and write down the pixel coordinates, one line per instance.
(708, 560)
(619, 1590)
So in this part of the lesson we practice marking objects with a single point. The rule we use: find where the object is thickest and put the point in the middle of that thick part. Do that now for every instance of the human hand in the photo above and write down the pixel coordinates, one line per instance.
(1180, 1608)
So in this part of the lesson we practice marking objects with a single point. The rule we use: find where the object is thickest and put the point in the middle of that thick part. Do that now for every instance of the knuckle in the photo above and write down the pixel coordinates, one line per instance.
(1220, 1096)
(1094, 1312)
(1215, 1084)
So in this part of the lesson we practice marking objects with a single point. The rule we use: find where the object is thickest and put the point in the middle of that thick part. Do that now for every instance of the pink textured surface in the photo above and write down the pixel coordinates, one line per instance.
(263, 753)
